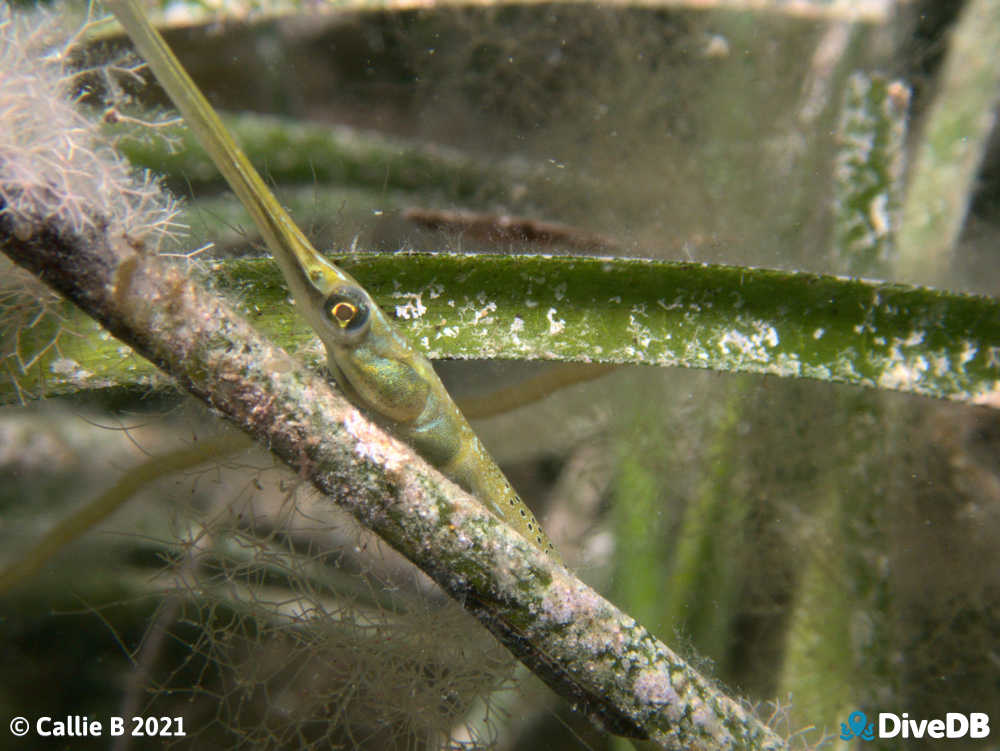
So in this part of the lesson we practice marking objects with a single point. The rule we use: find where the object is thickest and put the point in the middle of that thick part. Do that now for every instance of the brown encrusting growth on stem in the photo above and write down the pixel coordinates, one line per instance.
(609, 666)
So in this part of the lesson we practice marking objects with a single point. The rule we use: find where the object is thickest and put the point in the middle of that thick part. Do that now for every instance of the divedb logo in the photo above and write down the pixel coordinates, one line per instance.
(954, 725)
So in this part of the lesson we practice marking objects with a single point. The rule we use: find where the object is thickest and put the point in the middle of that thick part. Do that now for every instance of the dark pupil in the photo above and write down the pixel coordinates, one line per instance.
(344, 312)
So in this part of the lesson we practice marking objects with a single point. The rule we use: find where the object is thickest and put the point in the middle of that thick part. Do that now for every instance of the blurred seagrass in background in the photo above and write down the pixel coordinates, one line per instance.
(822, 546)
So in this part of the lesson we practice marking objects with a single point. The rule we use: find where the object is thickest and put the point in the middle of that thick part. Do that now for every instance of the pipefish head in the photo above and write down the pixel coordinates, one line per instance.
(336, 306)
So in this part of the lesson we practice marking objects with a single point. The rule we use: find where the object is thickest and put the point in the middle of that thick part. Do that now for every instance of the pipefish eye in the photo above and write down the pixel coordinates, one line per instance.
(349, 313)
(344, 313)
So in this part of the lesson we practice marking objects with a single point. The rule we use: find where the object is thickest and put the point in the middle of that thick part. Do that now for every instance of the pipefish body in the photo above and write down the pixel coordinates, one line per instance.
(375, 366)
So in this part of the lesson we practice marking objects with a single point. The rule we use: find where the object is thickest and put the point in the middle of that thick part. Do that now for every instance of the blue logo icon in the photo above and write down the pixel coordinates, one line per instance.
(859, 726)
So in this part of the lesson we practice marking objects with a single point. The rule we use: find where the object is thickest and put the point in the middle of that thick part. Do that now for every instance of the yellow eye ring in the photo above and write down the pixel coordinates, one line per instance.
(344, 312)
(348, 313)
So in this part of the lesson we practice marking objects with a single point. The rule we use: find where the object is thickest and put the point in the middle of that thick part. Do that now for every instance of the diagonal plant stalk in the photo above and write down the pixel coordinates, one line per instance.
(596, 656)
(956, 134)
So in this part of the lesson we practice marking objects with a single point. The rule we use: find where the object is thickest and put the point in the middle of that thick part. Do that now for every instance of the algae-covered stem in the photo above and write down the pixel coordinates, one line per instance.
(587, 650)
(374, 364)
